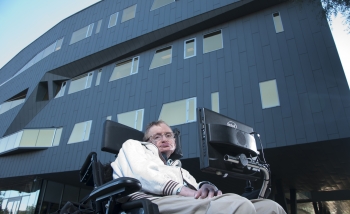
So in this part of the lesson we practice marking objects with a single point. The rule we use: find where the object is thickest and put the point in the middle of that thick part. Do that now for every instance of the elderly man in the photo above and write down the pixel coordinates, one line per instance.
(173, 188)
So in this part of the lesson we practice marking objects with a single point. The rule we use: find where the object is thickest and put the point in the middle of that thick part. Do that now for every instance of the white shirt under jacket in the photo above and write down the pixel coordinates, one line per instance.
(143, 161)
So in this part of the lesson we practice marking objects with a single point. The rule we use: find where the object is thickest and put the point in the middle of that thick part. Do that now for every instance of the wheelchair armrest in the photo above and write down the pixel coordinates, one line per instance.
(120, 187)
(147, 205)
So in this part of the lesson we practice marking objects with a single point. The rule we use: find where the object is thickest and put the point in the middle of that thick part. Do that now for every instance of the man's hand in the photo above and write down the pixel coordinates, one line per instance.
(207, 190)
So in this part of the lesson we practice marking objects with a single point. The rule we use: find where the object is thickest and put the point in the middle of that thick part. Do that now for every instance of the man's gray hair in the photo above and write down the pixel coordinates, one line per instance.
(149, 126)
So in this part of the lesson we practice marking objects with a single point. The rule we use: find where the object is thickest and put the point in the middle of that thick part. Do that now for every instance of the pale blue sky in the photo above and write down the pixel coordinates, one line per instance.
(23, 21)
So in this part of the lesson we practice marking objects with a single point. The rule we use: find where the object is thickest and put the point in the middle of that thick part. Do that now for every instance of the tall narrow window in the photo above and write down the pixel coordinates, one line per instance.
(189, 48)
(160, 3)
(80, 83)
(179, 112)
(81, 33)
(57, 137)
(98, 27)
(113, 20)
(129, 13)
(133, 119)
(277, 22)
(124, 69)
(212, 41)
(98, 78)
(81, 132)
(269, 94)
(161, 57)
(60, 89)
(215, 102)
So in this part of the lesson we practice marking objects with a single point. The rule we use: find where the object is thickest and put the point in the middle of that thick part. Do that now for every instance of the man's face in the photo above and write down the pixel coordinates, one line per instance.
(162, 136)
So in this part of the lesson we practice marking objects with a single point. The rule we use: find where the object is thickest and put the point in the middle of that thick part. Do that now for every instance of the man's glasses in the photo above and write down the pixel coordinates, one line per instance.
(159, 137)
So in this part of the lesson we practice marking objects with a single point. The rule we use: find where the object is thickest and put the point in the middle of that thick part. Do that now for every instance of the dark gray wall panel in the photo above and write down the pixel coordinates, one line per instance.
(307, 117)
(270, 73)
(282, 89)
(230, 95)
(256, 98)
(301, 84)
(289, 131)
(245, 78)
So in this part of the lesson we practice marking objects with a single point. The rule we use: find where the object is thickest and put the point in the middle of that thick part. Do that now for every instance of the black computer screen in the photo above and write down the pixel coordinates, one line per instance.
(219, 136)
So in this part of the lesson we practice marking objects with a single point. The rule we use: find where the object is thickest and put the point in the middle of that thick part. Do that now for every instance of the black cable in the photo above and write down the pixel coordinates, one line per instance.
(262, 148)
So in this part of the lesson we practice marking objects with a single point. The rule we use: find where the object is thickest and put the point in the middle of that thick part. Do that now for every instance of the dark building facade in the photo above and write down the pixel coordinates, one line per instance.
(271, 64)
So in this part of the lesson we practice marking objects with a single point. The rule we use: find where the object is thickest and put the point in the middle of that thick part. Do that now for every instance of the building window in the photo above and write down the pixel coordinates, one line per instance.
(80, 83)
(212, 41)
(31, 138)
(160, 3)
(81, 34)
(190, 48)
(269, 94)
(57, 137)
(129, 13)
(179, 112)
(81, 132)
(125, 69)
(215, 102)
(277, 22)
(98, 78)
(133, 119)
(59, 44)
(109, 117)
(47, 51)
(98, 27)
(113, 20)
(161, 57)
(60, 89)
(41, 55)
(13, 101)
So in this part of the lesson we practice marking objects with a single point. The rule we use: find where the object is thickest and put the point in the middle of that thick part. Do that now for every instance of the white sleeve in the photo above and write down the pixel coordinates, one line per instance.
(155, 177)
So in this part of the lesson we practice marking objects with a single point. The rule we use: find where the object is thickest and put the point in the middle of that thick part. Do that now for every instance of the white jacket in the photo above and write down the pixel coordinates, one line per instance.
(143, 161)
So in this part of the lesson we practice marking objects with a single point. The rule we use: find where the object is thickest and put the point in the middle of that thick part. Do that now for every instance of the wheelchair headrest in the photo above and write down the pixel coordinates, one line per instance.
(115, 134)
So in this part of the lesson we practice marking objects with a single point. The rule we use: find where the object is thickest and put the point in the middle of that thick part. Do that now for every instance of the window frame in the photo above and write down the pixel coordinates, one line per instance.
(116, 20)
(88, 81)
(160, 6)
(131, 68)
(212, 101)
(88, 33)
(60, 45)
(164, 49)
(83, 134)
(98, 27)
(98, 77)
(280, 20)
(135, 118)
(121, 21)
(187, 109)
(277, 94)
(61, 92)
(194, 47)
(212, 32)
